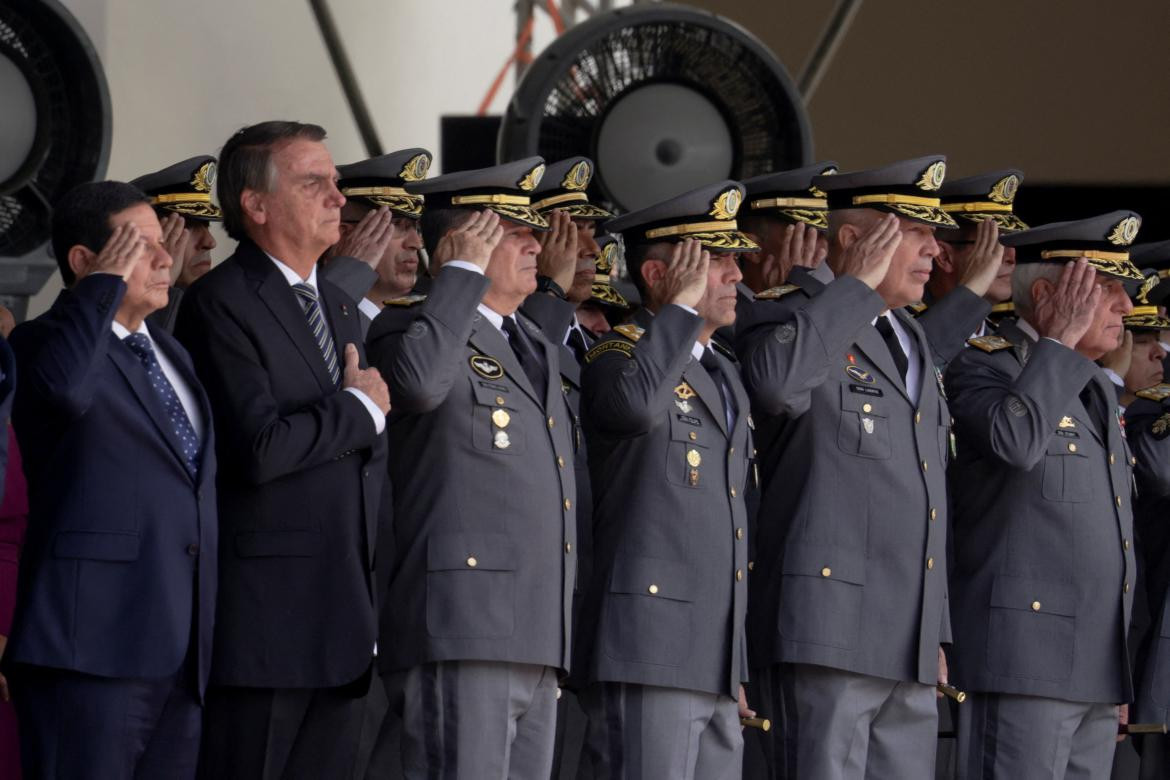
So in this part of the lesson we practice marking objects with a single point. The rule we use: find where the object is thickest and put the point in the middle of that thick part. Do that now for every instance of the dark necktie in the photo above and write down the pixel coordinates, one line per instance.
(578, 344)
(176, 414)
(887, 330)
(312, 308)
(711, 363)
(526, 355)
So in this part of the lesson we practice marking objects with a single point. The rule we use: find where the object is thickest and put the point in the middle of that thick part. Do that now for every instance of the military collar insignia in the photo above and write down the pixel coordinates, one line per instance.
(860, 374)
(204, 178)
(577, 179)
(1158, 392)
(1161, 427)
(416, 168)
(531, 179)
(683, 394)
(773, 293)
(630, 331)
(989, 343)
(1125, 231)
(726, 205)
(485, 366)
(1066, 422)
(406, 300)
(1004, 190)
(932, 178)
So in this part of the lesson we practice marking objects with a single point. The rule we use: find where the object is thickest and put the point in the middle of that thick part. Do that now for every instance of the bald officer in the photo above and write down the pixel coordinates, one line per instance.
(852, 526)
(1044, 574)
(482, 470)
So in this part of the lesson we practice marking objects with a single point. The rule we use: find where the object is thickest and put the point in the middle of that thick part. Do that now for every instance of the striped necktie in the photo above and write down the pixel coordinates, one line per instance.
(307, 295)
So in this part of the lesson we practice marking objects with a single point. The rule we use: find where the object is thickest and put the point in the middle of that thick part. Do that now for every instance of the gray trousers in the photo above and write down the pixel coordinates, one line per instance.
(643, 732)
(476, 720)
(845, 726)
(1008, 737)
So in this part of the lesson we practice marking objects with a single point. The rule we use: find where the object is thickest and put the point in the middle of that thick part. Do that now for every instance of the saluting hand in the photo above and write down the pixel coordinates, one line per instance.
(175, 239)
(120, 254)
(474, 241)
(558, 250)
(685, 281)
(369, 238)
(868, 258)
(983, 262)
(368, 380)
(1065, 311)
(798, 247)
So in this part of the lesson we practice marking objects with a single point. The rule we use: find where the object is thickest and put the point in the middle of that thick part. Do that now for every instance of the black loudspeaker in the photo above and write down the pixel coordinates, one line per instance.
(54, 134)
(467, 142)
(664, 98)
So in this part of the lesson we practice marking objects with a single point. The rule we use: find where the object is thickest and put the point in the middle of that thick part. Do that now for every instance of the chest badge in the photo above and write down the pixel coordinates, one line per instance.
(694, 459)
(500, 441)
(867, 424)
(682, 397)
(860, 374)
(487, 367)
(1066, 422)
(501, 418)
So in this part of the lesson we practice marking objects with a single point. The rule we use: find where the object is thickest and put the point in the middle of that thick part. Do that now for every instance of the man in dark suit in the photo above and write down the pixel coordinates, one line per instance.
(853, 433)
(300, 426)
(669, 593)
(1045, 575)
(111, 645)
(481, 459)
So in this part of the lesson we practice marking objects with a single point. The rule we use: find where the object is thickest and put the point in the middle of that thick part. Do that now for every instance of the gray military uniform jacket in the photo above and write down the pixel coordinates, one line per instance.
(852, 524)
(670, 525)
(1044, 570)
(355, 278)
(481, 463)
(949, 321)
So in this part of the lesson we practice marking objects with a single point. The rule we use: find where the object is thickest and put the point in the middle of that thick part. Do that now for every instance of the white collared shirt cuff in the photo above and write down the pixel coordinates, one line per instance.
(371, 407)
(1114, 377)
(465, 265)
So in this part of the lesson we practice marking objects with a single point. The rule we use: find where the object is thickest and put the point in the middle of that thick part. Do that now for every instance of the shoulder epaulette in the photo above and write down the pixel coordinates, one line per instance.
(776, 292)
(1160, 428)
(630, 331)
(406, 300)
(626, 349)
(1158, 392)
(917, 308)
(990, 343)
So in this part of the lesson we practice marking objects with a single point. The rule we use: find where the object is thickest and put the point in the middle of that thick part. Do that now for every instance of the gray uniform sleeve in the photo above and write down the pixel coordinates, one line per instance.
(791, 344)
(1012, 420)
(1147, 428)
(419, 350)
(554, 315)
(624, 394)
(354, 277)
(950, 321)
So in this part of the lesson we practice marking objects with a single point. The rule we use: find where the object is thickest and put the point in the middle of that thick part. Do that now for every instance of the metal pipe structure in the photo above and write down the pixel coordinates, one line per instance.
(345, 75)
(822, 54)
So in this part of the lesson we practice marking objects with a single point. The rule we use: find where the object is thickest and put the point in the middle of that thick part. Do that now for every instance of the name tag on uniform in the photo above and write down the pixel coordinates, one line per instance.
(865, 390)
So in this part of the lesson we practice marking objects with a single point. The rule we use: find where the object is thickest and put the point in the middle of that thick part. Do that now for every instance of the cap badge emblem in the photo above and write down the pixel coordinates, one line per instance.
(531, 179)
(932, 178)
(1004, 190)
(726, 205)
(204, 178)
(416, 168)
(578, 177)
(1125, 231)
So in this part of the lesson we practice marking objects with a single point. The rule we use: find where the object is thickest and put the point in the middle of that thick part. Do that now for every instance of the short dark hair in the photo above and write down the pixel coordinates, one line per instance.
(82, 217)
(635, 256)
(245, 163)
(436, 223)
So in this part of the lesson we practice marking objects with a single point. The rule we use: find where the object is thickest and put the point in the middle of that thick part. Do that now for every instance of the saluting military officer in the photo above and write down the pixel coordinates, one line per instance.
(181, 196)
(852, 528)
(1044, 574)
(606, 306)
(483, 490)
(377, 258)
(973, 270)
(666, 418)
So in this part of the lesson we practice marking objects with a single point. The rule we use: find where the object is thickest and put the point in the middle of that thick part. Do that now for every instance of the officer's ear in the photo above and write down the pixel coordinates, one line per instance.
(653, 272)
(945, 259)
(80, 258)
(1041, 290)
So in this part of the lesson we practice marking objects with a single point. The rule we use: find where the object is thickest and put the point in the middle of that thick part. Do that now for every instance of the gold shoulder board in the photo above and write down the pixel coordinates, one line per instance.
(1155, 393)
(917, 308)
(630, 331)
(990, 343)
(776, 292)
(406, 300)
(610, 345)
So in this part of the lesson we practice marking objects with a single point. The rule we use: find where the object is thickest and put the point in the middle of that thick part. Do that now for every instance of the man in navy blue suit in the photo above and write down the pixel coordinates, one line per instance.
(109, 653)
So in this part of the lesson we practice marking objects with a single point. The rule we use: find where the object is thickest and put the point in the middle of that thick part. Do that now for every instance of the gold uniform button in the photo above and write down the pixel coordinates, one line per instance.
(733, 492)
(929, 563)
(867, 407)
(500, 400)
(694, 436)
(472, 562)
(826, 572)
(1073, 448)
(730, 451)
(568, 504)
(1133, 461)
(751, 565)
(560, 461)
(1111, 459)
(917, 417)
(738, 575)
(551, 422)
(933, 513)
(1125, 588)
(653, 589)
(1035, 606)
(1117, 499)
(1125, 544)
(924, 465)
(738, 533)
(568, 547)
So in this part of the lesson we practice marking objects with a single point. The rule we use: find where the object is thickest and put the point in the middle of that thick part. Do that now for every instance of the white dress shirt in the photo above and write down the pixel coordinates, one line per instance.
(913, 378)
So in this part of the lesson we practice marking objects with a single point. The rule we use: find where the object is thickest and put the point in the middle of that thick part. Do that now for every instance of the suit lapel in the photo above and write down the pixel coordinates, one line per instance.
(704, 386)
(132, 369)
(871, 343)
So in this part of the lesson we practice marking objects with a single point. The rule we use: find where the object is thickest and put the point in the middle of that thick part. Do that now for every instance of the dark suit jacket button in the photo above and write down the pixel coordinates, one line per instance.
(192, 550)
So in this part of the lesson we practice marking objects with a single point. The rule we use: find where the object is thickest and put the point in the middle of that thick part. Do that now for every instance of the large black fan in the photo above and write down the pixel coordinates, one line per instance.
(664, 98)
(55, 132)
